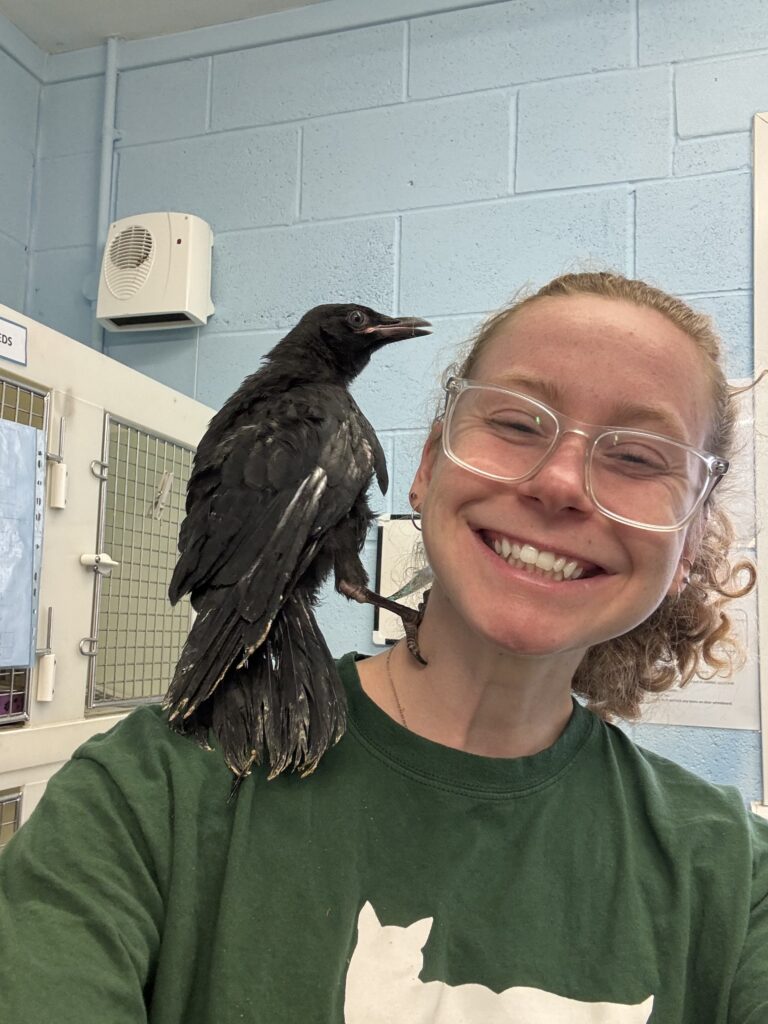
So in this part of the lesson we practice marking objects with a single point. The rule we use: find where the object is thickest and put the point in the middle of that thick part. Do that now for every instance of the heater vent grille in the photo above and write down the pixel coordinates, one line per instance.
(129, 261)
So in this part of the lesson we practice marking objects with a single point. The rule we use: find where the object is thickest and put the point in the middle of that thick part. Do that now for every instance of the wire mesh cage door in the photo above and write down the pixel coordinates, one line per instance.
(136, 636)
(28, 407)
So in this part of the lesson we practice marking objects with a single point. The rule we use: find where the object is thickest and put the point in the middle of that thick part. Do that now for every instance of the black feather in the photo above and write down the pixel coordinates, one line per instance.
(276, 502)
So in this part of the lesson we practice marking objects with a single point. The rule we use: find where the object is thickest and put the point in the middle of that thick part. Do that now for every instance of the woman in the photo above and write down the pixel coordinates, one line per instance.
(479, 847)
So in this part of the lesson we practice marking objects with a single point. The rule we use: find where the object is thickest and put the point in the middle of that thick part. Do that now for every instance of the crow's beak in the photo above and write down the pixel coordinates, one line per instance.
(397, 328)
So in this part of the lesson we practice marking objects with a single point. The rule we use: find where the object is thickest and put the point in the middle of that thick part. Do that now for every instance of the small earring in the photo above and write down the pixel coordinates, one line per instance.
(413, 498)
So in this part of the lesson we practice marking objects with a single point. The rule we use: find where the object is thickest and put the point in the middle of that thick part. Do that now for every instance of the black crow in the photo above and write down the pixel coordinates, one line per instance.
(276, 501)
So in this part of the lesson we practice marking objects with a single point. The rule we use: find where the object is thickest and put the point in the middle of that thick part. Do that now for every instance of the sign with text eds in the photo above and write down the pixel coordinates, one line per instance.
(13, 342)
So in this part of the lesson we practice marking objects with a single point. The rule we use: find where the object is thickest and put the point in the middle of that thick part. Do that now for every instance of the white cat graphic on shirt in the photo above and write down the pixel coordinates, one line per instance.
(383, 987)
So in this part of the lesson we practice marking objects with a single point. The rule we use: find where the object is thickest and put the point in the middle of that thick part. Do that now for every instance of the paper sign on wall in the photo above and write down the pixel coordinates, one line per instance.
(13, 342)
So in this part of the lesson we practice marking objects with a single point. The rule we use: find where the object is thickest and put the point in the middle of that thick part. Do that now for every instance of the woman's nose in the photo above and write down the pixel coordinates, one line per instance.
(560, 482)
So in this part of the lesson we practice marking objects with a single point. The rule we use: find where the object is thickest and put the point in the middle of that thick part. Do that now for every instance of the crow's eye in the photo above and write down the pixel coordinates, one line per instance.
(356, 318)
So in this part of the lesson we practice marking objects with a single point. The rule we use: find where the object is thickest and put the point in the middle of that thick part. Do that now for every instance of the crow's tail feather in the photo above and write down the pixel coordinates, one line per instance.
(285, 705)
(215, 640)
(234, 621)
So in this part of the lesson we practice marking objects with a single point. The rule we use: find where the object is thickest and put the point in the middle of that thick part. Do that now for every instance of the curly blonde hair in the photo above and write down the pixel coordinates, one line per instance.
(691, 632)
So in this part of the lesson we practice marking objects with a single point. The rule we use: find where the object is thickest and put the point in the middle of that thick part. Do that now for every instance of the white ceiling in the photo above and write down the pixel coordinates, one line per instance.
(60, 25)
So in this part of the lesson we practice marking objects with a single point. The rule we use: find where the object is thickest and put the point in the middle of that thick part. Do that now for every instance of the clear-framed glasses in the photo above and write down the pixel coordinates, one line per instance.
(633, 476)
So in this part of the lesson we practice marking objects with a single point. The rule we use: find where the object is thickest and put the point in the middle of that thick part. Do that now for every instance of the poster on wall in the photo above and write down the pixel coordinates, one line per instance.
(722, 702)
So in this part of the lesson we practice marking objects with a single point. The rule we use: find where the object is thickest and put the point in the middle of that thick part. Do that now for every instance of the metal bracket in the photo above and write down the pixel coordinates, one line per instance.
(88, 646)
(99, 469)
(58, 456)
(47, 649)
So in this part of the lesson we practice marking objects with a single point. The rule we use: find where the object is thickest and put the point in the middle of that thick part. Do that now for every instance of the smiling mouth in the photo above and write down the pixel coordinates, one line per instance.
(525, 557)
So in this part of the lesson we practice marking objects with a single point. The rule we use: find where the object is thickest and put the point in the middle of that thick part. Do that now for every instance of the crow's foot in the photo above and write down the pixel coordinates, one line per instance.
(410, 618)
(411, 627)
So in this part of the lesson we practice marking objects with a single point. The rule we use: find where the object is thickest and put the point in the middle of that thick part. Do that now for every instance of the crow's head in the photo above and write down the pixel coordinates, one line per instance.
(351, 333)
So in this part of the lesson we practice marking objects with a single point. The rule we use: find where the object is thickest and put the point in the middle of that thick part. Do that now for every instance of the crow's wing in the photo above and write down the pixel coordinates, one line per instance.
(249, 498)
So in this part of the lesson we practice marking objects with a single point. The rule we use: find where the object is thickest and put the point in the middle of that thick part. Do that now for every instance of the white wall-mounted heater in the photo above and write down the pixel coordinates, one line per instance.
(156, 273)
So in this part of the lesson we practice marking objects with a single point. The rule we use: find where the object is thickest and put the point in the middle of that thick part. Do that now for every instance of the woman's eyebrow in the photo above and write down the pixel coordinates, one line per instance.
(623, 411)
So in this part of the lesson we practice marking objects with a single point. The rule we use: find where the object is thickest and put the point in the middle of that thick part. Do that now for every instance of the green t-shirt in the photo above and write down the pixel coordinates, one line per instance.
(403, 883)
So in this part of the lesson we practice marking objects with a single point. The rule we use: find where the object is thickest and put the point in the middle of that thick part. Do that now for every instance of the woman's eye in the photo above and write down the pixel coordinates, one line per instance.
(520, 426)
(643, 459)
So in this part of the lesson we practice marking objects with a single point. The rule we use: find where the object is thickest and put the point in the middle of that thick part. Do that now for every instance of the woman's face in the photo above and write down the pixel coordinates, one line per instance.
(599, 352)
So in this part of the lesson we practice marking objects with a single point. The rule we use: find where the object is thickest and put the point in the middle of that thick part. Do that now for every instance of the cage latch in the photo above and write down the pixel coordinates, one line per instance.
(100, 563)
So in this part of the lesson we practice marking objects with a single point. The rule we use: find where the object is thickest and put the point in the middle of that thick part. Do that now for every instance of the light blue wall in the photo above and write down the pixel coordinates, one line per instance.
(19, 102)
(427, 165)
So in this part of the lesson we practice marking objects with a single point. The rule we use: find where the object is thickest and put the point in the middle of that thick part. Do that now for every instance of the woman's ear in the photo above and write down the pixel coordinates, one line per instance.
(691, 547)
(429, 454)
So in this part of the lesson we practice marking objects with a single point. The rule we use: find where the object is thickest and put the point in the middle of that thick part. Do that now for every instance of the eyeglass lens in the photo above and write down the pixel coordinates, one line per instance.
(644, 479)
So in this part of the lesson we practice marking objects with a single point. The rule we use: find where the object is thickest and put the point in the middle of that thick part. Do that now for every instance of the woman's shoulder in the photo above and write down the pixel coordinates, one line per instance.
(143, 730)
(675, 794)
(142, 753)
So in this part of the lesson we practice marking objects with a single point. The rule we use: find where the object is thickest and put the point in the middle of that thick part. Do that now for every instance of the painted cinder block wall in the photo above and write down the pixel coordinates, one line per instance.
(426, 164)
(19, 105)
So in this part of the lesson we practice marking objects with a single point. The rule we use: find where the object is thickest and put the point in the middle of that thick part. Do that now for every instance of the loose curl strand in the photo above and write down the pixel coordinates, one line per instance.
(690, 634)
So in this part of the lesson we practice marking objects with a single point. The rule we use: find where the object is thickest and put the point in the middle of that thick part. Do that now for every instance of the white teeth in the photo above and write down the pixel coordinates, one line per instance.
(528, 554)
(546, 560)
(541, 563)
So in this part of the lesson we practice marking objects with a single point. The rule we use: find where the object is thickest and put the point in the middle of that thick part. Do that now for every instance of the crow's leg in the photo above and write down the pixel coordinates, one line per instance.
(344, 544)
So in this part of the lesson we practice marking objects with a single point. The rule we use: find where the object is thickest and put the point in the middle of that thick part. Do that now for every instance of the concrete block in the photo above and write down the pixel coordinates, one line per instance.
(508, 43)
(724, 756)
(66, 196)
(166, 356)
(422, 154)
(719, 153)
(308, 77)
(695, 234)
(585, 131)
(71, 114)
(56, 291)
(721, 95)
(411, 372)
(407, 456)
(700, 28)
(168, 101)
(272, 276)
(471, 259)
(225, 360)
(16, 170)
(237, 180)
(13, 272)
(18, 119)
(732, 313)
